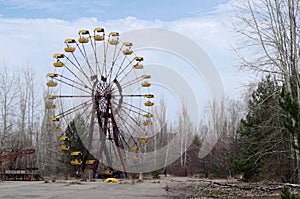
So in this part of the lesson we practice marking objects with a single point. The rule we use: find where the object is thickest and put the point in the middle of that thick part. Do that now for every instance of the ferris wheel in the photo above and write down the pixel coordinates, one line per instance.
(101, 80)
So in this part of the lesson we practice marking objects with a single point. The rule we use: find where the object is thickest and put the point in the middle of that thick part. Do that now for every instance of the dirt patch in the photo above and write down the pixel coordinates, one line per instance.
(207, 188)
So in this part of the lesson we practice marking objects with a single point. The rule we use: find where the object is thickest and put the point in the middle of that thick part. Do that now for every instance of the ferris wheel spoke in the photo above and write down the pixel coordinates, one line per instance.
(123, 139)
(86, 111)
(89, 113)
(105, 50)
(84, 55)
(94, 47)
(130, 83)
(74, 75)
(129, 127)
(78, 66)
(124, 84)
(116, 55)
(134, 108)
(71, 96)
(123, 71)
(73, 86)
(136, 66)
(117, 134)
(106, 115)
(133, 95)
(72, 82)
(134, 120)
(134, 129)
(90, 134)
(125, 122)
(115, 128)
(121, 66)
(73, 109)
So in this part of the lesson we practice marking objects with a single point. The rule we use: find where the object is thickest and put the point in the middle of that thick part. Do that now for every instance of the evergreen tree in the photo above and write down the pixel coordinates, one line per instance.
(292, 123)
(287, 194)
(75, 128)
(292, 119)
(264, 143)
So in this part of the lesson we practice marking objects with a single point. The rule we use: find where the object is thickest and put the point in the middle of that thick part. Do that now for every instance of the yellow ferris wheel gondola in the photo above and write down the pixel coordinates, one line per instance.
(52, 75)
(138, 66)
(55, 128)
(50, 97)
(144, 133)
(63, 147)
(145, 76)
(51, 83)
(145, 84)
(147, 123)
(113, 38)
(54, 119)
(133, 148)
(148, 115)
(149, 96)
(70, 43)
(58, 62)
(77, 156)
(143, 141)
(128, 50)
(99, 34)
(76, 162)
(148, 103)
(90, 162)
(139, 58)
(63, 138)
(83, 36)
(107, 172)
(76, 153)
(50, 106)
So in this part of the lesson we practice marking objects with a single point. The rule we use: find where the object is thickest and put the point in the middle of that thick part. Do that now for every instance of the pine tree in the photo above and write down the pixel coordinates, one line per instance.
(292, 123)
(264, 148)
(73, 131)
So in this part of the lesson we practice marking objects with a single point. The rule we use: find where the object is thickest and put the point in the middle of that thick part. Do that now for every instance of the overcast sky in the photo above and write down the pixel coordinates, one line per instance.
(33, 30)
(108, 9)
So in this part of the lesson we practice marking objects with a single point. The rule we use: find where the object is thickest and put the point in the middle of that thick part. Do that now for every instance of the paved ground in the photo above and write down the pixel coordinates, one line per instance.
(78, 189)
(173, 188)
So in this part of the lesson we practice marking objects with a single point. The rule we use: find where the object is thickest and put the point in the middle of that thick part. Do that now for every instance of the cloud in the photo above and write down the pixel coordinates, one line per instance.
(34, 41)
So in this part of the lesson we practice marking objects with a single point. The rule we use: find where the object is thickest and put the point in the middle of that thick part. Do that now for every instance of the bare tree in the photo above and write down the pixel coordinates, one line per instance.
(19, 119)
(160, 124)
(47, 146)
(218, 134)
(270, 32)
(185, 128)
(8, 97)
